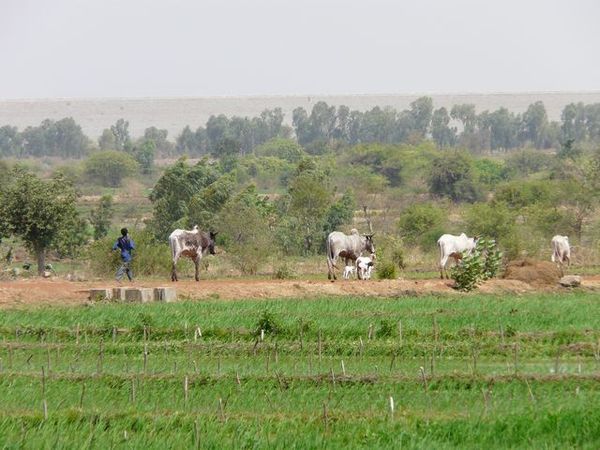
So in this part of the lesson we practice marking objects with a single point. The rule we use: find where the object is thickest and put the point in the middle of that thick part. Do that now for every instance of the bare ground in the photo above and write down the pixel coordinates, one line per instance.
(57, 291)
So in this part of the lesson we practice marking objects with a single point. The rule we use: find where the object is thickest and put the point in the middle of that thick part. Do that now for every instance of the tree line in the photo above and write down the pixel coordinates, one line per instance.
(318, 131)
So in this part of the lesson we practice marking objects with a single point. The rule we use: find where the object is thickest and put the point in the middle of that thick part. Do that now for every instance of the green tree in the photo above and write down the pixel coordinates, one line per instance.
(452, 175)
(340, 212)
(159, 137)
(310, 198)
(421, 224)
(172, 194)
(120, 130)
(281, 148)
(107, 140)
(101, 216)
(535, 124)
(421, 110)
(109, 167)
(244, 227)
(38, 212)
(443, 135)
(144, 155)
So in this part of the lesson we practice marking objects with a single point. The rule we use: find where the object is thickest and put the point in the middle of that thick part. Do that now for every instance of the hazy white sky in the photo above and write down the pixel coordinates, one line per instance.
(133, 48)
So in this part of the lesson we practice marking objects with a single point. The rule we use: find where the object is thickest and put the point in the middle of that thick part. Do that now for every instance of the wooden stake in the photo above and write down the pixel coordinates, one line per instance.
(43, 382)
(400, 332)
(222, 409)
(325, 416)
(320, 345)
(45, 405)
(423, 378)
(114, 334)
(370, 332)
(196, 434)
(391, 407)
(343, 368)
(81, 396)
(262, 335)
(133, 390)
(185, 389)
(145, 357)
(530, 392)
(100, 357)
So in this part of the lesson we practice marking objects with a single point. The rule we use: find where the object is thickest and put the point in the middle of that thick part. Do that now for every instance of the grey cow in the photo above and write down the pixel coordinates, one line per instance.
(349, 247)
(193, 244)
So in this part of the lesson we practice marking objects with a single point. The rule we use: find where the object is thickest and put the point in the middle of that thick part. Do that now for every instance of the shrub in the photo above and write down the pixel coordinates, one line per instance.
(386, 270)
(110, 167)
(269, 323)
(482, 264)
(386, 329)
(418, 220)
(284, 272)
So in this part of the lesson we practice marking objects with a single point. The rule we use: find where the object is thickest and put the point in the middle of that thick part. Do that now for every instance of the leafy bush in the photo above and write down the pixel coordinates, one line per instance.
(285, 149)
(417, 221)
(482, 264)
(386, 270)
(386, 329)
(110, 167)
(269, 323)
(284, 272)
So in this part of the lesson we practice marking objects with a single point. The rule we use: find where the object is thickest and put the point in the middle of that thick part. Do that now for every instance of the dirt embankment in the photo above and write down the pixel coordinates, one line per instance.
(29, 292)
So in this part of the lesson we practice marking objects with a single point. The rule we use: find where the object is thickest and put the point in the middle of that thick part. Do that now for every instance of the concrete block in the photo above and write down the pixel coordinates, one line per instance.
(165, 294)
(119, 293)
(142, 295)
(101, 294)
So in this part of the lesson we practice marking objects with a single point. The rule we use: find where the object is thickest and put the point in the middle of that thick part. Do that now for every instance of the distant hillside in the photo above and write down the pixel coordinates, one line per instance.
(174, 114)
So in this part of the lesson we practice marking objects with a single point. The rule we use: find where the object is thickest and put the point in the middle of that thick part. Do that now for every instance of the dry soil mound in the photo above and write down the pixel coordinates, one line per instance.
(538, 273)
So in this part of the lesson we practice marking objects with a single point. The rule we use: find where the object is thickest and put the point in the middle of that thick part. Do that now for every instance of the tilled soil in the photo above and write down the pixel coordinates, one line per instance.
(57, 291)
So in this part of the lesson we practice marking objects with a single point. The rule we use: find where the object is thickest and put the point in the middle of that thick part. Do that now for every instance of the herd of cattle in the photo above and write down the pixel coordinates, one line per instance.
(349, 247)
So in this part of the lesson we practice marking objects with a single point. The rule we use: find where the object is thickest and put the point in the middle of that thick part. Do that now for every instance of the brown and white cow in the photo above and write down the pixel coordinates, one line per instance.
(193, 244)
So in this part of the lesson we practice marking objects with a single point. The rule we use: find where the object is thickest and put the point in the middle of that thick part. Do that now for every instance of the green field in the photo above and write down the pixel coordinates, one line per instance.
(469, 372)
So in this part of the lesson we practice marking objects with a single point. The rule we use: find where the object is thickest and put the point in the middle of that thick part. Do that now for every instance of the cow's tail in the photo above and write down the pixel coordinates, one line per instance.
(330, 262)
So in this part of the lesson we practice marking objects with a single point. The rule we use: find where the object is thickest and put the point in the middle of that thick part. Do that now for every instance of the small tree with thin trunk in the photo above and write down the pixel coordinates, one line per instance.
(38, 211)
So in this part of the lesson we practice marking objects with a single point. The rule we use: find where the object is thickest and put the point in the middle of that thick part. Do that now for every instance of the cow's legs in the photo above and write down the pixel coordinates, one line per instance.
(197, 265)
(174, 269)
(443, 269)
(331, 260)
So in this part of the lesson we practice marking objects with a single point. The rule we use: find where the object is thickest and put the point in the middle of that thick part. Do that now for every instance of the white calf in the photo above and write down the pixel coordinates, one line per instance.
(349, 271)
(364, 265)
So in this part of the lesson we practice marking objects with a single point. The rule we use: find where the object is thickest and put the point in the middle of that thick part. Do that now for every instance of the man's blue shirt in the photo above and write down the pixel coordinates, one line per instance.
(126, 245)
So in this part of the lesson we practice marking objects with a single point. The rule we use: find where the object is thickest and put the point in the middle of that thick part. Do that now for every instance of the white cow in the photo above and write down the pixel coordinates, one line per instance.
(364, 266)
(193, 244)
(348, 271)
(561, 251)
(455, 247)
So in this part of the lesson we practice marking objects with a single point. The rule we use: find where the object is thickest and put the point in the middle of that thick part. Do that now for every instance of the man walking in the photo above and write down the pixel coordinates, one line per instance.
(126, 245)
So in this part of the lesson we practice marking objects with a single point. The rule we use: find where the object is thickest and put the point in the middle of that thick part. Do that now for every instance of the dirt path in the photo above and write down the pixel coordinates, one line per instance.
(61, 292)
